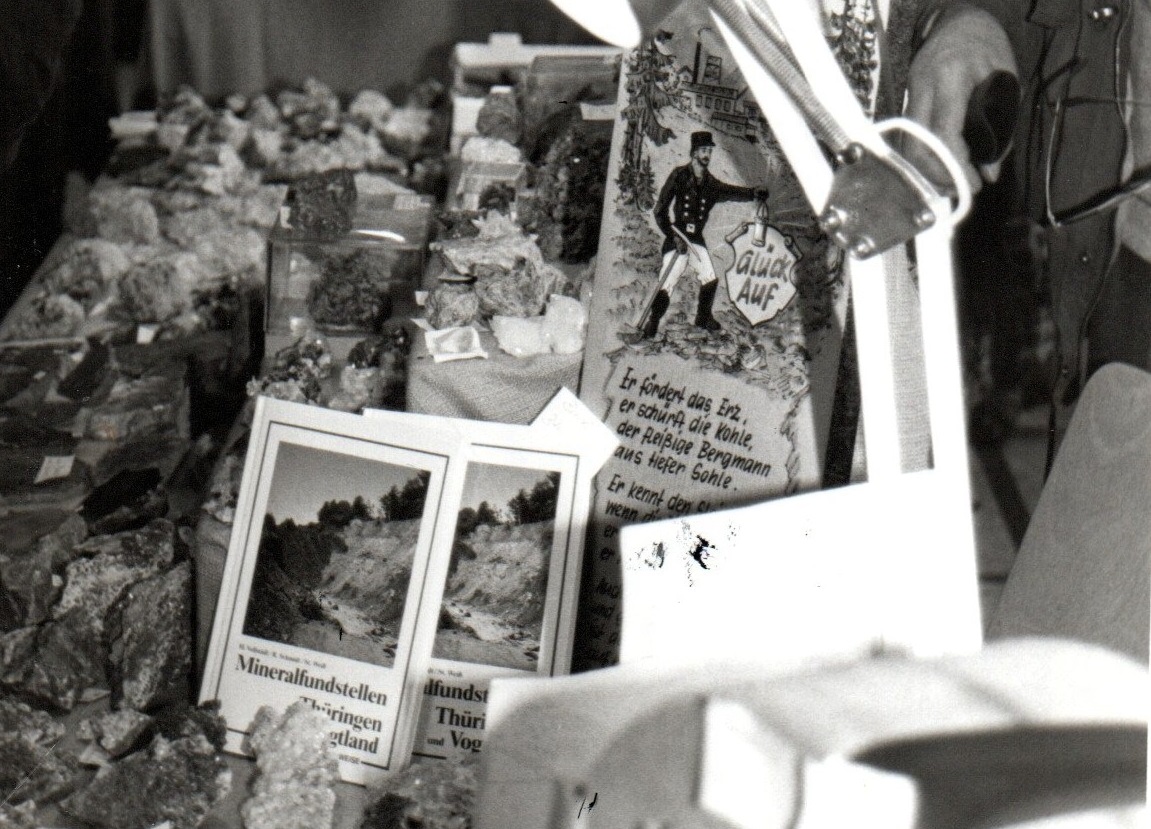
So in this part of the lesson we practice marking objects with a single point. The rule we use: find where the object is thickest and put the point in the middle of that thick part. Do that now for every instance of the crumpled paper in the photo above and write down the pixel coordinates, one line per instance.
(447, 344)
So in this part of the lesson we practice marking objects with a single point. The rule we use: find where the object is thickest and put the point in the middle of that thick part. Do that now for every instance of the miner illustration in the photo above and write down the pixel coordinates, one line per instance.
(681, 211)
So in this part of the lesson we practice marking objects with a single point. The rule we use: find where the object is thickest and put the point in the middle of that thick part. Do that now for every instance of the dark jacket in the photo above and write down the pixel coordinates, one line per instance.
(1070, 148)
(35, 34)
(685, 203)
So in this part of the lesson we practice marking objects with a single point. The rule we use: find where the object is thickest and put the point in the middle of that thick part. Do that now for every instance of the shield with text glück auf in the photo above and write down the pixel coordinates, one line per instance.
(761, 280)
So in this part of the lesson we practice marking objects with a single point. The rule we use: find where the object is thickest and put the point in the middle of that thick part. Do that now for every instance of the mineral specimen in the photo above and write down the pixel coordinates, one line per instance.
(124, 215)
(31, 771)
(426, 795)
(296, 770)
(519, 291)
(22, 720)
(371, 108)
(155, 649)
(452, 304)
(115, 732)
(172, 780)
(18, 817)
(352, 290)
(156, 292)
(47, 316)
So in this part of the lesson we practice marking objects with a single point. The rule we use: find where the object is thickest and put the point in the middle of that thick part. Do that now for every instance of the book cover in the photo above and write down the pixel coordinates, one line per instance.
(336, 524)
(507, 595)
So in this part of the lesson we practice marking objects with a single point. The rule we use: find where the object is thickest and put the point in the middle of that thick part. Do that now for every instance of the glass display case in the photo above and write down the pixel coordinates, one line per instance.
(347, 275)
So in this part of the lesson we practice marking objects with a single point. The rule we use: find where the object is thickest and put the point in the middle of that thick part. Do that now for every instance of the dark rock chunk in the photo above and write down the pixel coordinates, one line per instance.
(24, 530)
(28, 589)
(92, 378)
(156, 642)
(116, 732)
(185, 720)
(67, 665)
(172, 780)
(23, 720)
(92, 586)
(30, 771)
(122, 489)
(17, 652)
(61, 542)
(18, 817)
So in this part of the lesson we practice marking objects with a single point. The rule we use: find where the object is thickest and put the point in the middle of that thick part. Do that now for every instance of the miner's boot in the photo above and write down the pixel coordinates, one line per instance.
(659, 307)
(703, 317)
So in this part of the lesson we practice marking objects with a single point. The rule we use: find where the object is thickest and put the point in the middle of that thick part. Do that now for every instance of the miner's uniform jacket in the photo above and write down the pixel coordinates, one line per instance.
(693, 200)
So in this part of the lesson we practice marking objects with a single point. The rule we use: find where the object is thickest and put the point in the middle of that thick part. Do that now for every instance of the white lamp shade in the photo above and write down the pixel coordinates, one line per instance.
(618, 22)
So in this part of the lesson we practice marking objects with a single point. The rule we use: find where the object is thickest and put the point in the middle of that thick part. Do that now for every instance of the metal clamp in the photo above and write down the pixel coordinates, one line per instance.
(880, 200)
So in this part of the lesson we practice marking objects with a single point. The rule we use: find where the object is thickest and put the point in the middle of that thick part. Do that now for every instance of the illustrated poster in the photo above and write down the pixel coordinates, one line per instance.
(719, 305)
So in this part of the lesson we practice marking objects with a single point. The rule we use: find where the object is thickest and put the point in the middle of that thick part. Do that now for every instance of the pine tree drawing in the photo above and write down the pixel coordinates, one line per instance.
(852, 36)
(647, 73)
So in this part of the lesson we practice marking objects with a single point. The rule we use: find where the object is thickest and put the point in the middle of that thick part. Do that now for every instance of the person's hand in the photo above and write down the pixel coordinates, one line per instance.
(680, 246)
(963, 48)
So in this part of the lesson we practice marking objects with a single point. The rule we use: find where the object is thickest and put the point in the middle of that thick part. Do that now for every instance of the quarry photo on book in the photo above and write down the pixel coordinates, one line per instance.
(338, 522)
(509, 587)
(335, 554)
(493, 607)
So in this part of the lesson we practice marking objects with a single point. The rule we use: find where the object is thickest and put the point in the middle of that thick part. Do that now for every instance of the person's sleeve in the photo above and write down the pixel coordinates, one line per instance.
(36, 34)
(722, 191)
(663, 204)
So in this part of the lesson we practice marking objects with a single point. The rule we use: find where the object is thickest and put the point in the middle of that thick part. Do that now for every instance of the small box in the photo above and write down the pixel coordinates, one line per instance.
(505, 59)
(350, 282)
(477, 176)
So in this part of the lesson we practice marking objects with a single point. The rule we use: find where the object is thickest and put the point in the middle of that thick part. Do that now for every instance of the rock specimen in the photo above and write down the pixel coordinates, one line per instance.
(64, 660)
(22, 720)
(114, 733)
(172, 780)
(32, 771)
(296, 770)
(18, 817)
(433, 795)
(155, 648)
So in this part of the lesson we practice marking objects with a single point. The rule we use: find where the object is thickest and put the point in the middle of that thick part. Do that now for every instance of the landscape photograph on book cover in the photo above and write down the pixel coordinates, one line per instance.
(323, 596)
(335, 554)
(494, 599)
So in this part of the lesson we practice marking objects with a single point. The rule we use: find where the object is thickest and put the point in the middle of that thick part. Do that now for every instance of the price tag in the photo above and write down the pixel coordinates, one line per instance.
(408, 201)
(146, 334)
(286, 217)
(54, 467)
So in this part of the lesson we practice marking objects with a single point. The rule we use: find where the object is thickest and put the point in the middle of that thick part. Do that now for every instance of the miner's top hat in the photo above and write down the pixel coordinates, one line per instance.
(701, 139)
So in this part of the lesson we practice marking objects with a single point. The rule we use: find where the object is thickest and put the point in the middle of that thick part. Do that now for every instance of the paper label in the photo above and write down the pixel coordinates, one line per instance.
(54, 467)
(146, 334)
(597, 112)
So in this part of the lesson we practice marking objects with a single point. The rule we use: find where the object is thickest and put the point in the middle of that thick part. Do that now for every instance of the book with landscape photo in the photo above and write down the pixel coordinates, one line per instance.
(337, 523)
